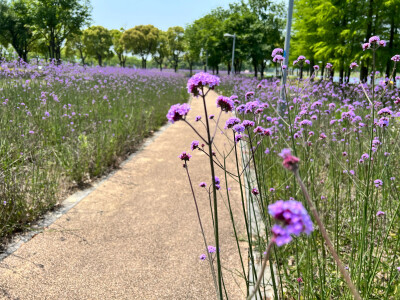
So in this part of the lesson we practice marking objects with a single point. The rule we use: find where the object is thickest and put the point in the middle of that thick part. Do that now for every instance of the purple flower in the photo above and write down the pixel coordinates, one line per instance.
(365, 156)
(353, 65)
(178, 112)
(185, 156)
(366, 46)
(217, 183)
(231, 122)
(247, 123)
(378, 183)
(277, 51)
(200, 80)
(225, 103)
(238, 138)
(238, 128)
(293, 218)
(374, 39)
(306, 123)
(198, 118)
(316, 67)
(329, 66)
(396, 58)
(385, 111)
(203, 257)
(289, 161)
(194, 145)
(202, 184)
(255, 192)
(278, 59)
(211, 249)
(248, 94)
(380, 213)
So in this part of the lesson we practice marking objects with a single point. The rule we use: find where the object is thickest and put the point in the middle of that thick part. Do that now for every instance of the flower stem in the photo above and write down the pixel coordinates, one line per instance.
(261, 274)
(328, 242)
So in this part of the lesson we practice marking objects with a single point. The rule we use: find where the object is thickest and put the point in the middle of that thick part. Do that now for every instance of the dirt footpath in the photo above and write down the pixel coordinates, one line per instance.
(136, 236)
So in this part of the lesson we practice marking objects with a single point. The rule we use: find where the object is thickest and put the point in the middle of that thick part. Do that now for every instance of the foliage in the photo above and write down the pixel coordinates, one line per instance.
(97, 41)
(118, 48)
(162, 49)
(175, 38)
(17, 26)
(56, 20)
(141, 40)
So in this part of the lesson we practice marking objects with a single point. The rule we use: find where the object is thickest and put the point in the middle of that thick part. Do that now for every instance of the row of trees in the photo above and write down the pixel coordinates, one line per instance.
(257, 25)
(51, 28)
(323, 30)
(41, 25)
(333, 31)
(144, 41)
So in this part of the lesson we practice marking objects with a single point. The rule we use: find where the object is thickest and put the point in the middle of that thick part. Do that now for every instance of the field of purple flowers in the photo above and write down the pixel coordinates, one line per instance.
(313, 146)
(62, 125)
(347, 139)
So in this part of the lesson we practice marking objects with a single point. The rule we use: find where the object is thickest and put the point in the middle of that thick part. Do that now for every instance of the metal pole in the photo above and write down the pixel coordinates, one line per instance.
(282, 104)
(233, 55)
(206, 60)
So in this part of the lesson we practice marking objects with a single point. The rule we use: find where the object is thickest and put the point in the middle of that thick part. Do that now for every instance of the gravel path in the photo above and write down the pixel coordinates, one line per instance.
(135, 237)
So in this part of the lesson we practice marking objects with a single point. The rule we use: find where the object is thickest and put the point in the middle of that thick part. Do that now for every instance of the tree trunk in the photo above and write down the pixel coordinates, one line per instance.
(301, 73)
(392, 30)
(143, 63)
(191, 69)
(100, 60)
(364, 68)
(217, 70)
(255, 69)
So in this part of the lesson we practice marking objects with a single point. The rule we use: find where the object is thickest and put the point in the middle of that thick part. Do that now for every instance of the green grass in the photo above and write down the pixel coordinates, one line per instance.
(60, 127)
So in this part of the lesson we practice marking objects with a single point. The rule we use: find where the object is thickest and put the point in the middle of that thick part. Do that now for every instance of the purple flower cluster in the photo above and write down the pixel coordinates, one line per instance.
(185, 156)
(178, 112)
(201, 80)
(293, 219)
(231, 122)
(225, 103)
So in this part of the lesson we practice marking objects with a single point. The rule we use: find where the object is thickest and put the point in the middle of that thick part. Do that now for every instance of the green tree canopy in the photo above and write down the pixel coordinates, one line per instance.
(118, 47)
(162, 49)
(56, 20)
(17, 26)
(175, 37)
(98, 41)
(141, 40)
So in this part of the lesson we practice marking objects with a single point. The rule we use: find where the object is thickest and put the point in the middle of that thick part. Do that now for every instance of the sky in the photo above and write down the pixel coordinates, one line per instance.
(114, 14)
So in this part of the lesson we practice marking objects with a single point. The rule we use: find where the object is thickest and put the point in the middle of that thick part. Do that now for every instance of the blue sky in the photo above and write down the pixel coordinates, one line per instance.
(114, 14)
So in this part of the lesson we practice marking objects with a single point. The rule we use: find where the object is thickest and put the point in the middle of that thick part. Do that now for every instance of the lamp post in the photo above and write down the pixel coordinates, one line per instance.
(282, 104)
(233, 49)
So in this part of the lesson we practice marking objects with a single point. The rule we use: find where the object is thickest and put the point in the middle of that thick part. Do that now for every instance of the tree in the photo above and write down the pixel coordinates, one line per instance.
(161, 49)
(75, 45)
(175, 36)
(141, 40)
(56, 20)
(98, 41)
(192, 47)
(17, 27)
(118, 47)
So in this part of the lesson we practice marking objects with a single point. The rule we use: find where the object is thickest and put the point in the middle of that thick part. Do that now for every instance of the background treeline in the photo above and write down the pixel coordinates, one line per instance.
(323, 30)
